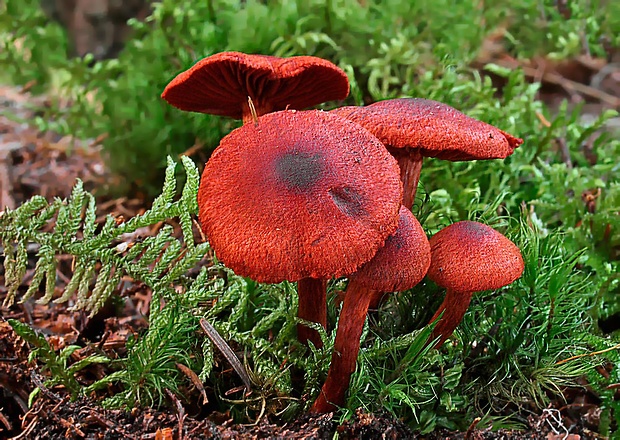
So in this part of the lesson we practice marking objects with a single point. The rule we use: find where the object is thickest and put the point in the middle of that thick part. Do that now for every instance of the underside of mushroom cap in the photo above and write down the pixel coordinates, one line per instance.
(221, 84)
(470, 257)
(297, 195)
(402, 262)
(433, 128)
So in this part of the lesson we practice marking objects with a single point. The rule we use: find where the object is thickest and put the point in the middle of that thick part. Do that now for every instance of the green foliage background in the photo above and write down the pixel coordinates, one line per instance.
(389, 49)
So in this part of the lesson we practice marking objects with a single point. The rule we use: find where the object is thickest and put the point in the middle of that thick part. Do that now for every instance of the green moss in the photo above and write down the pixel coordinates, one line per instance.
(509, 347)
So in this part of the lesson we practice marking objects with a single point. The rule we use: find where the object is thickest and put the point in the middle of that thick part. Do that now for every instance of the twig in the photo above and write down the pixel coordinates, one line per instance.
(564, 152)
(71, 427)
(227, 352)
(180, 412)
(202, 235)
(5, 421)
(6, 186)
(605, 71)
(26, 432)
(198, 145)
(472, 428)
(195, 380)
(45, 390)
(107, 424)
(594, 353)
(566, 84)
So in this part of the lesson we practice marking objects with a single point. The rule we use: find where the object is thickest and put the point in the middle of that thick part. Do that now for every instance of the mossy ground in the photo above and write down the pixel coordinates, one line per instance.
(543, 71)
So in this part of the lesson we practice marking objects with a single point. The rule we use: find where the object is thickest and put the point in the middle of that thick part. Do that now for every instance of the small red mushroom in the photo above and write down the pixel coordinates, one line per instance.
(468, 257)
(414, 128)
(399, 265)
(222, 83)
(301, 196)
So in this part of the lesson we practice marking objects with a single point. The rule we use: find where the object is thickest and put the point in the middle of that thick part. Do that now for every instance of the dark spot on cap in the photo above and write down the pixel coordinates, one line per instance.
(348, 200)
(396, 240)
(299, 171)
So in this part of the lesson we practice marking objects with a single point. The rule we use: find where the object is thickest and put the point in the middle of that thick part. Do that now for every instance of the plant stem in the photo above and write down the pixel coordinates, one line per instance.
(346, 348)
(312, 307)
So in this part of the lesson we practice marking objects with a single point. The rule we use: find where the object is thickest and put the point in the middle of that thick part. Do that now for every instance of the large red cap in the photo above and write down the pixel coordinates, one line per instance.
(221, 84)
(402, 262)
(470, 257)
(300, 194)
(432, 128)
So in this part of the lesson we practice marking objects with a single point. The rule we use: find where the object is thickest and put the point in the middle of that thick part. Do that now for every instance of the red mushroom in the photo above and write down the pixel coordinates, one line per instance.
(399, 265)
(300, 196)
(468, 257)
(222, 83)
(413, 128)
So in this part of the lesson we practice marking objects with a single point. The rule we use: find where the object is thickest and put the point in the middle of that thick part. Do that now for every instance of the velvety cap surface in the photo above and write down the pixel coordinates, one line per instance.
(470, 257)
(220, 84)
(432, 128)
(300, 194)
(402, 262)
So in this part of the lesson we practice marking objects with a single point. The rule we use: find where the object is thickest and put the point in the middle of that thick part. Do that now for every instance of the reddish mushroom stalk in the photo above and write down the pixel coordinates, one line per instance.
(469, 257)
(413, 128)
(312, 307)
(453, 307)
(344, 357)
(399, 265)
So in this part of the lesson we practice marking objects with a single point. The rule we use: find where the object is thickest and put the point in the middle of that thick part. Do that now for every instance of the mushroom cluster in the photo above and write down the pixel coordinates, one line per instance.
(307, 196)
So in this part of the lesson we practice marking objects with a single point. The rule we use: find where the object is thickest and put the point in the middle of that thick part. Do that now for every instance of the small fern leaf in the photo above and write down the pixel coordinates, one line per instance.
(84, 288)
(168, 190)
(44, 264)
(101, 284)
(74, 283)
(90, 218)
(192, 182)
(50, 281)
(98, 298)
(167, 257)
(185, 219)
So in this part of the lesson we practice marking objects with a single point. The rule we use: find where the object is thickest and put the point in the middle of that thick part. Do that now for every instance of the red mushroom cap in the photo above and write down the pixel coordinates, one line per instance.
(403, 260)
(300, 194)
(221, 84)
(470, 257)
(432, 128)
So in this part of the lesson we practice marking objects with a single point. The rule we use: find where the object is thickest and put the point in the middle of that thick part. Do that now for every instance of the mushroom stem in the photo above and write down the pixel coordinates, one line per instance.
(454, 306)
(312, 307)
(376, 298)
(346, 348)
(410, 163)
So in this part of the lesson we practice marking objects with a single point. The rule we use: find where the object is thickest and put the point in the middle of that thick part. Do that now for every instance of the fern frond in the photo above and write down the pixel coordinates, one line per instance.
(159, 261)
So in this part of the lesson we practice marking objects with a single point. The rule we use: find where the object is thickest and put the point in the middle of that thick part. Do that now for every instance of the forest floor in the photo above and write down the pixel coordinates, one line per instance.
(32, 162)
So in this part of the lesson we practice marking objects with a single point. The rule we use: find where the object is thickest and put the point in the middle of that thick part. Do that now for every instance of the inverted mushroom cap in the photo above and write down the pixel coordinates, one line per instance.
(470, 257)
(402, 262)
(300, 194)
(432, 128)
(220, 84)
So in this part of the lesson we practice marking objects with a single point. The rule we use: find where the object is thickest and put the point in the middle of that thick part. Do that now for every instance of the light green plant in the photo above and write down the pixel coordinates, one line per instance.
(61, 370)
(102, 257)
